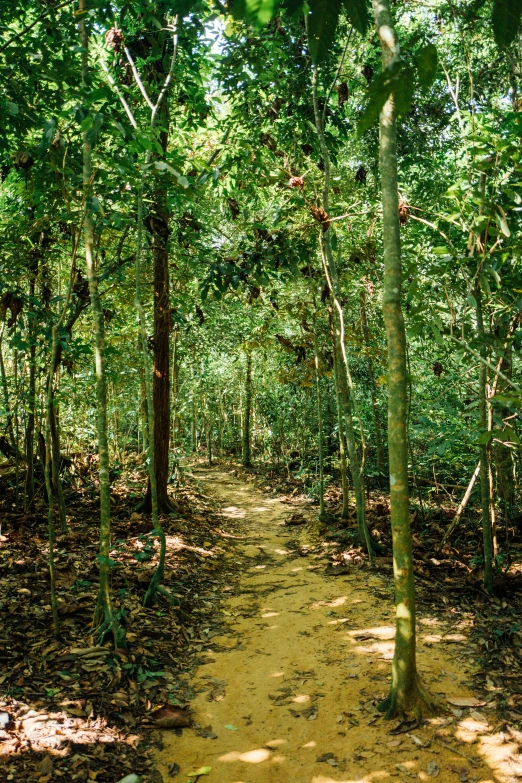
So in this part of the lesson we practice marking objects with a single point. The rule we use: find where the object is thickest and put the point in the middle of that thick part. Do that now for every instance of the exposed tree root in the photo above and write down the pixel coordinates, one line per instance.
(165, 505)
(412, 703)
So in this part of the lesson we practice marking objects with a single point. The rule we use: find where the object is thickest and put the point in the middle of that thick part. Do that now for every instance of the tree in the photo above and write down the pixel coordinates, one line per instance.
(407, 694)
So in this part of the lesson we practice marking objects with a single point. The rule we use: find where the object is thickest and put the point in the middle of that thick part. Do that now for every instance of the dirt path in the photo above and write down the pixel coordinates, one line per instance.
(289, 694)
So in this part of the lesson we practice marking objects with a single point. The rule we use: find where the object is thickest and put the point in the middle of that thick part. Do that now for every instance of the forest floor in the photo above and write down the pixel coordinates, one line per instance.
(289, 692)
(268, 660)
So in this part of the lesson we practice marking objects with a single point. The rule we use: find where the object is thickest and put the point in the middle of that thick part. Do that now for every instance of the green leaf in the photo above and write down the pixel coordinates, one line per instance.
(230, 727)
(87, 123)
(436, 333)
(183, 7)
(292, 6)
(484, 438)
(506, 20)
(322, 24)
(502, 222)
(404, 88)
(12, 108)
(197, 772)
(441, 250)
(380, 90)
(357, 14)
(427, 64)
(256, 11)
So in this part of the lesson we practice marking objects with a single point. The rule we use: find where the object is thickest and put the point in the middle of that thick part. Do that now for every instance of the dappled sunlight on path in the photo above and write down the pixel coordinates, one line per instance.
(307, 657)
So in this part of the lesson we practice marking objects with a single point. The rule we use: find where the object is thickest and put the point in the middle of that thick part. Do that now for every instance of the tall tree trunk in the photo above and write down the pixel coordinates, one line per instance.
(345, 513)
(379, 446)
(503, 455)
(143, 410)
(209, 438)
(56, 461)
(29, 431)
(330, 270)
(175, 389)
(407, 695)
(320, 448)
(247, 414)
(5, 390)
(158, 223)
(104, 618)
(16, 426)
(485, 489)
(194, 407)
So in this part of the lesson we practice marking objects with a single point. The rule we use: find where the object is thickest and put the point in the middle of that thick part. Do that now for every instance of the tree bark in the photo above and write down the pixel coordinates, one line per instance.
(161, 366)
(503, 455)
(344, 379)
(345, 513)
(379, 446)
(319, 419)
(247, 414)
(407, 695)
(485, 490)
(104, 618)
(29, 430)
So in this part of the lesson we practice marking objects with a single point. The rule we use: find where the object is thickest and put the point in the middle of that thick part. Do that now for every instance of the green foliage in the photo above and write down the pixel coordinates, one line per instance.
(322, 25)
(426, 60)
(506, 20)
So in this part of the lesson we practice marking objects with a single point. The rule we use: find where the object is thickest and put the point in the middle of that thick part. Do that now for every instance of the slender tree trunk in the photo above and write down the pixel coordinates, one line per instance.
(330, 270)
(48, 485)
(247, 413)
(144, 412)
(5, 390)
(158, 223)
(155, 583)
(55, 462)
(345, 513)
(194, 407)
(504, 466)
(29, 432)
(209, 439)
(104, 618)
(319, 423)
(175, 390)
(487, 535)
(221, 426)
(407, 695)
(16, 427)
(379, 446)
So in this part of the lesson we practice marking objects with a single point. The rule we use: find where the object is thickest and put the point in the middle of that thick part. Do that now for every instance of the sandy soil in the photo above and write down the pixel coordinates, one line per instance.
(290, 694)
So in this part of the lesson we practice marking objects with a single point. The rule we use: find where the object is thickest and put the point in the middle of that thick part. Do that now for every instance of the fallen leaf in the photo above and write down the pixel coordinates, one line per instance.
(168, 717)
(230, 727)
(46, 765)
(432, 769)
(478, 716)
(465, 701)
(193, 776)
(404, 726)
(404, 770)
(327, 758)
(207, 733)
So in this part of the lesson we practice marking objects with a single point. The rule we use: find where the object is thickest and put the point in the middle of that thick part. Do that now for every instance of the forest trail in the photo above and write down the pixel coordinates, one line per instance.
(290, 691)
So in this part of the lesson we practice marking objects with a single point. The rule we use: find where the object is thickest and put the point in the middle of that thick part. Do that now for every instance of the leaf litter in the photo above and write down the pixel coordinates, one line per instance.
(71, 710)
